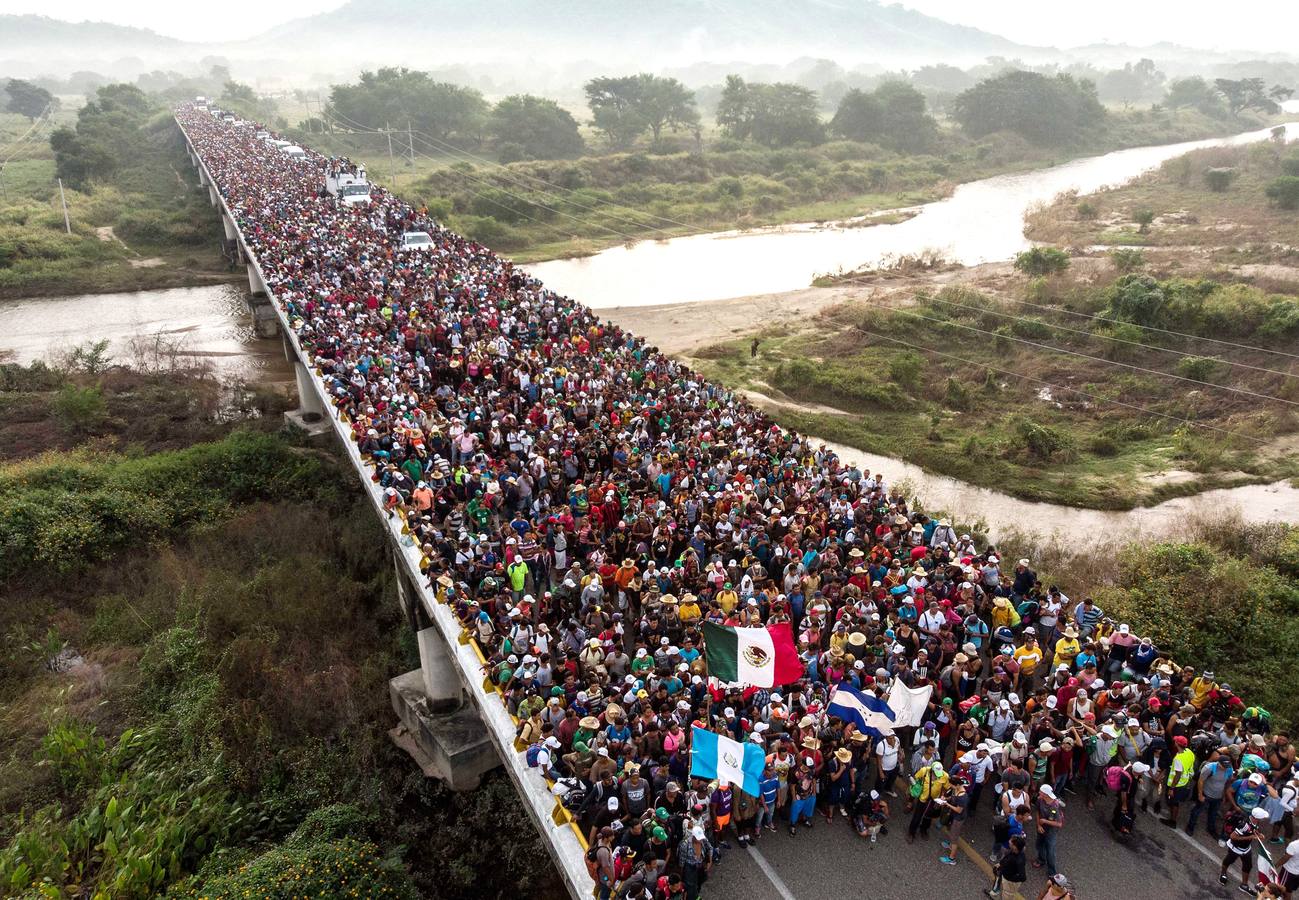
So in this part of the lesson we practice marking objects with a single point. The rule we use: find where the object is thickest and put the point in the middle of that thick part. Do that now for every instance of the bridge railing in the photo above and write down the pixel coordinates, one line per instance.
(561, 835)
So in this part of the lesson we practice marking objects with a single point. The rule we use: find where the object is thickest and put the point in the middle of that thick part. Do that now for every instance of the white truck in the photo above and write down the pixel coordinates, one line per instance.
(416, 240)
(293, 151)
(349, 188)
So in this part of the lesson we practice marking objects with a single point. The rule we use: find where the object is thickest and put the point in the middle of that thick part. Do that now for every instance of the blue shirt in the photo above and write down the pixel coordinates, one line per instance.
(768, 788)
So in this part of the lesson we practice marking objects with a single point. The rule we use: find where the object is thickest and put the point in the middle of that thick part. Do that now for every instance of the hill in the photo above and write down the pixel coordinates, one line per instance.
(29, 36)
(594, 29)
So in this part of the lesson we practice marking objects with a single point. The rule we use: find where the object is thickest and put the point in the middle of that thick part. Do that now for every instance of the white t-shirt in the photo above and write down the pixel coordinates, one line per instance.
(888, 755)
(1292, 860)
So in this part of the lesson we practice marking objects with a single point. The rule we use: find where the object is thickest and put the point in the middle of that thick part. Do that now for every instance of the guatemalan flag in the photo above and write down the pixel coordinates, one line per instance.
(870, 714)
(761, 657)
(716, 756)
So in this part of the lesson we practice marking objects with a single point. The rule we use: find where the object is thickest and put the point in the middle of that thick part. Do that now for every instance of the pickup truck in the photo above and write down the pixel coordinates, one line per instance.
(350, 189)
(416, 240)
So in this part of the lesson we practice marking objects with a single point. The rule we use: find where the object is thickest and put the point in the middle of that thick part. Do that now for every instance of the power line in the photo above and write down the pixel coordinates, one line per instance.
(938, 299)
(12, 149)
(1102, 360)
(1060, 387)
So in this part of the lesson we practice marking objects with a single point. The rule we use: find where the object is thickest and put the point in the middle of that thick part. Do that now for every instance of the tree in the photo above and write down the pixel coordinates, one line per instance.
(1041, 108)
(540, 127)
(1219, 178)
(27, 99)
(234, 92)
(1144, 218)
(776, 114)
(907, 125)
(109, 131)
(1196, 93)
(1246, 93)
(665, 103)
(1132, 83)
(860, 117)
(391, 97)
(614, 109)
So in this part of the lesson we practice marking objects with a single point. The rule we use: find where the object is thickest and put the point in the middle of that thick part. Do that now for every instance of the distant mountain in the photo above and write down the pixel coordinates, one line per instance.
(40, 37)
(427, 31)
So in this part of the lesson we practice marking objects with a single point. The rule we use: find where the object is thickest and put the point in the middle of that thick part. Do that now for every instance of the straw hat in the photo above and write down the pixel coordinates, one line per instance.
(590, 723)
(812, 743)
(843, 754)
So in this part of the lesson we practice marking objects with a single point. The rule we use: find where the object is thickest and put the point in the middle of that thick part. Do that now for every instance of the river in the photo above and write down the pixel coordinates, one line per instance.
(983, 221)
(209, 324)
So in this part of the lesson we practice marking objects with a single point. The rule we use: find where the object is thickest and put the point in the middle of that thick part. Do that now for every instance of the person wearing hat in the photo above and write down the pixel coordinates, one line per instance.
(1127, 778)
(802, 805)
(1240, 847)
(838, 770)
(1057, 888)
(870, 814)
(1214, 778)
(927, 785)
(695, 854)
(1048, 821)
(1066, 648)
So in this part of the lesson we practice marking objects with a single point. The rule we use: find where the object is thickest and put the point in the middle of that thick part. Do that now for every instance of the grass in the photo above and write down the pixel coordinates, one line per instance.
(1234, 225)
(543, 210)
(166, 234)
(994, 430)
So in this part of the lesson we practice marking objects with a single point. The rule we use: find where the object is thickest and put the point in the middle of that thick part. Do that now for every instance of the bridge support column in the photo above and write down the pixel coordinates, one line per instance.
(212, 193)
(229, 226)
(202, 175)
(445, 737)
(255, 284)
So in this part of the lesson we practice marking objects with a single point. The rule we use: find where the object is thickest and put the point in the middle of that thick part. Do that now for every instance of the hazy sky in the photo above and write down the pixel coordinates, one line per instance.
(1251, 25)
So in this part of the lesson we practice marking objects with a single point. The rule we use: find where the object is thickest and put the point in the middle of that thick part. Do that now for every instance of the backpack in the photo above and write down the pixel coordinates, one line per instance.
(533, 752)
(1114, 778)
(593, 863)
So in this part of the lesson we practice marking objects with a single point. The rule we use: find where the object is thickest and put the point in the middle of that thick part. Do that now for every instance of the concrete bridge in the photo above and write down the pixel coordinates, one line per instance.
(451, 719)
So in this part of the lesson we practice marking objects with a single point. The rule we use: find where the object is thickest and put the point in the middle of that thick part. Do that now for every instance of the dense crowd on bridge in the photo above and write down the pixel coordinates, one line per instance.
(586, 503)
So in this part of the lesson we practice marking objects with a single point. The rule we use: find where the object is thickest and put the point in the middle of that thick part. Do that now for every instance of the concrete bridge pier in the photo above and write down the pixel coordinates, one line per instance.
(202, 176)
(229, 227)
(444, 736)
(212, 195)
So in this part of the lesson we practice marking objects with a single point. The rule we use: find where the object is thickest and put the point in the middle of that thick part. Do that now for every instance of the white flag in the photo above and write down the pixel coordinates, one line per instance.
(908, 704)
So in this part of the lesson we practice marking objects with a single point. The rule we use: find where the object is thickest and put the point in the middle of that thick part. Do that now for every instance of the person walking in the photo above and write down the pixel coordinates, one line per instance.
(1011, 872)
(1050, 819)
(1240, 848)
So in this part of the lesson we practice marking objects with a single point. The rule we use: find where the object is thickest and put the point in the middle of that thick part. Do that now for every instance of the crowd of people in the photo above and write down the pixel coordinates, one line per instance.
(584, 503)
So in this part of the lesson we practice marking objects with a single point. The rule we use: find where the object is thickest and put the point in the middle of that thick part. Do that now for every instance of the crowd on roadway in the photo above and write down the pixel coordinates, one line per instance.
(585, 503)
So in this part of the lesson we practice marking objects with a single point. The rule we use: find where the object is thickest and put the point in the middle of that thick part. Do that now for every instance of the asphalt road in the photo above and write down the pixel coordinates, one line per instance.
(830, 860)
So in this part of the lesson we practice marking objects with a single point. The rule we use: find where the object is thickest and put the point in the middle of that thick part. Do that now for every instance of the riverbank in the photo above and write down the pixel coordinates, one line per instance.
(200, 634)
(148, 226)
(537, 211)
(848, 363)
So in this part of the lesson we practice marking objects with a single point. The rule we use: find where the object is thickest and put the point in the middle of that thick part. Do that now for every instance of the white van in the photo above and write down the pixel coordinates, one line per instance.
(416, 240)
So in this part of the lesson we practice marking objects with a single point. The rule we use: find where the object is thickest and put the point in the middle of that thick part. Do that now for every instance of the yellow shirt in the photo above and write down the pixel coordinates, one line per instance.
(1065, 650)
(1028, 658)
(688, 612)
(727, 600)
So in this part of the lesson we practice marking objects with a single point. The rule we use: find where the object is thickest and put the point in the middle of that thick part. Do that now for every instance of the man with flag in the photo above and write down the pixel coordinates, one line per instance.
(761, 657)
(868, 713)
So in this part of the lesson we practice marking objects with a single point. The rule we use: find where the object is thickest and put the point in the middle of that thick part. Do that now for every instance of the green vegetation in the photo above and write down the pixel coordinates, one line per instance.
(27, 99)
(991, 407)
(1042, 261)
(1217, 593)
(138, 220)
(197, 647)
(1228, 202)
(1040, 109)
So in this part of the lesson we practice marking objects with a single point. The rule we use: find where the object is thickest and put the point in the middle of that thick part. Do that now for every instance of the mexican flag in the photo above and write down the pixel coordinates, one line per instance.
(762, 657)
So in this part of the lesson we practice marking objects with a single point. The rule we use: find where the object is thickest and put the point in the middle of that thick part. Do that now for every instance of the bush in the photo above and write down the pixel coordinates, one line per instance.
(510, 152)
(1284, 192)
(1219, 178)
(346, 868)
(1103, 445)
(848, 388)
(905, 369)
(1127, 259)
(79, 409)
(1041, 442)
(1199, 368)
(1143, 218)
(1042, 261)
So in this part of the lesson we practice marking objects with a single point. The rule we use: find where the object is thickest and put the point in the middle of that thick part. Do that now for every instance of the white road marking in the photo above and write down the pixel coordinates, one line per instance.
(1197, 845)
(767, 870)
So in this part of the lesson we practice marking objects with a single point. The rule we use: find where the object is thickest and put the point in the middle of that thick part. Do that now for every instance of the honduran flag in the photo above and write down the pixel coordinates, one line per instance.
(870, 714)
(761, 657)
(715, 756)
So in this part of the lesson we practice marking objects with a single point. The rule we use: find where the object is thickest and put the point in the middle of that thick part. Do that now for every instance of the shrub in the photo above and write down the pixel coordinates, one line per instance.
(1199, 368)
(956, 395)
(905, 369)
(1219, 178)
(1127, 259)
(1042, 261)
(346, 868)
(1086, 210)
(1041, 442)
(1290, 165)
(1143, 218)
(79, 409)
(1284, 192)
(1103, 445)
(1031, 328)
(510, 152)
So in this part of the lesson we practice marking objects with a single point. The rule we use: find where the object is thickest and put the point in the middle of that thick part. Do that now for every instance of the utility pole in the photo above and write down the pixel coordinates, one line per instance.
(67, 223)
(410, 140)
(392, 166)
